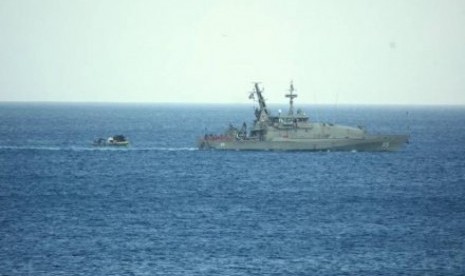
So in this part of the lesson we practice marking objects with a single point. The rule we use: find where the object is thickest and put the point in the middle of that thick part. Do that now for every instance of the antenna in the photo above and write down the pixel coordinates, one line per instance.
(291, 97)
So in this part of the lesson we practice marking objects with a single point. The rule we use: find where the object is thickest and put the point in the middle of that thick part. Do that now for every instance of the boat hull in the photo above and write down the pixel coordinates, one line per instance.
(368, 143)
(119, 145)
(110, 144)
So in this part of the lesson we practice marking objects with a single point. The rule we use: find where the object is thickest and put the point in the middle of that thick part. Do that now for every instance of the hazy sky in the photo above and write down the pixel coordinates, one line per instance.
(374, 51)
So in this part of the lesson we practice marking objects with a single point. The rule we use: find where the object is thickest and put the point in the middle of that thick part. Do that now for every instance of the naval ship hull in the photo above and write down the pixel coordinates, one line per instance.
(295, 132)
(368, 143)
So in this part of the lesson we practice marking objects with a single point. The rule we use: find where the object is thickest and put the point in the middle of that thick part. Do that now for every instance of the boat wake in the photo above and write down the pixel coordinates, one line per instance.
(25, 148)
(165, 149)
(90, 148)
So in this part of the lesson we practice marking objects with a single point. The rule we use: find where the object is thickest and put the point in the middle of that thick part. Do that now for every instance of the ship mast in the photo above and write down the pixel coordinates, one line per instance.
(291, 97)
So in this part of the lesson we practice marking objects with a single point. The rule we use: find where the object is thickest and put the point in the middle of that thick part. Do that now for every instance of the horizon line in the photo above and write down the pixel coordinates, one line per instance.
(220, 103)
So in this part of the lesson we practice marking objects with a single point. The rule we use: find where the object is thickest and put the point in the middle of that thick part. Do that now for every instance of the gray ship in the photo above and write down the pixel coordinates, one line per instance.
(295, 132)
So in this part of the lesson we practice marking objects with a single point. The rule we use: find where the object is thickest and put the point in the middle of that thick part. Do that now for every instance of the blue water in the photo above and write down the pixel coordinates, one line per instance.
(161, 207)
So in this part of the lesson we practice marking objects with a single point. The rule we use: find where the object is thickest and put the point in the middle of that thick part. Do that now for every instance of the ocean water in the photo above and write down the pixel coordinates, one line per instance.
(161, 207)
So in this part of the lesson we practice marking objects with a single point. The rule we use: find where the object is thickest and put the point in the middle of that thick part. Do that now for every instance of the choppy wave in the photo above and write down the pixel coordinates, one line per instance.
(174, 210)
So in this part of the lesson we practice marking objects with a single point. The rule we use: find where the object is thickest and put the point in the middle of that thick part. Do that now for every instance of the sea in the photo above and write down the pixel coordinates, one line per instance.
(163, 207)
